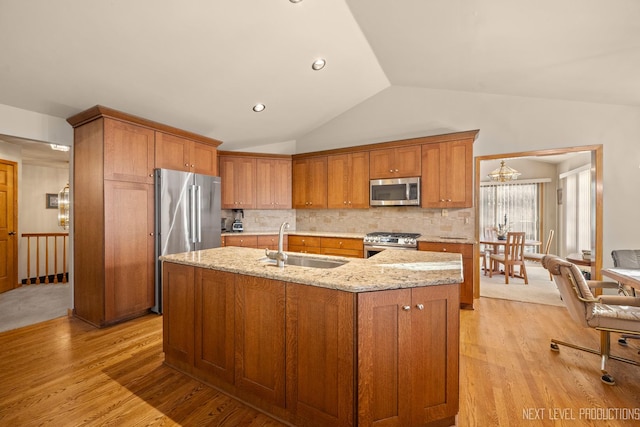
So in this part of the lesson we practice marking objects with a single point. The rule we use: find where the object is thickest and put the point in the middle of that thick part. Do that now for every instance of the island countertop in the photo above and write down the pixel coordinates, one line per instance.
(389, 269)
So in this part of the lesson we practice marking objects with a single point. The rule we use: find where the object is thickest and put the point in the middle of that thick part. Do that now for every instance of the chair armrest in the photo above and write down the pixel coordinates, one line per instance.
(600, 284)
(619, 300)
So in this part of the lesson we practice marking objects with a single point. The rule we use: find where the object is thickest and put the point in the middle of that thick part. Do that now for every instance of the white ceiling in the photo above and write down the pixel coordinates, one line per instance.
(201, 65)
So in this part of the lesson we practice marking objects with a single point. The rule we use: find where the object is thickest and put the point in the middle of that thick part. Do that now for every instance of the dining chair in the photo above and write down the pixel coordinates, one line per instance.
(537, 257)
(512, 256)
(591, 312)
(490, 233)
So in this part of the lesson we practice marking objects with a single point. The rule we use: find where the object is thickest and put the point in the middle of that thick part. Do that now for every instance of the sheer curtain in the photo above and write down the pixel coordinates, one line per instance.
(576, 214)
(517, 204)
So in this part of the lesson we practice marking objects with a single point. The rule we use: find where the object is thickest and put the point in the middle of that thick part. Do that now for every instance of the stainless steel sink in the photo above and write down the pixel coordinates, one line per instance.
(307, 262)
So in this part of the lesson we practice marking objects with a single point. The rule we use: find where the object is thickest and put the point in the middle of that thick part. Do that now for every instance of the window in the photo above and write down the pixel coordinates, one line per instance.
(516, 203)
(576, 211)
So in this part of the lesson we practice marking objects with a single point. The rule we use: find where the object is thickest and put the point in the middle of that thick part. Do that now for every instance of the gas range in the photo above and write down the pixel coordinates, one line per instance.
(392, 240)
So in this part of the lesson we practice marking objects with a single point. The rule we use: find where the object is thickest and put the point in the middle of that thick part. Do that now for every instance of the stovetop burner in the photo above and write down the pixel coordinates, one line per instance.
(383, 238)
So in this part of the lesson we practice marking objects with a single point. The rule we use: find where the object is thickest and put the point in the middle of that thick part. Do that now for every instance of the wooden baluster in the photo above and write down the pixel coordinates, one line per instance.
(37, 260)
(55, 259)
(46, 259)
(28, 260)
(65, 272)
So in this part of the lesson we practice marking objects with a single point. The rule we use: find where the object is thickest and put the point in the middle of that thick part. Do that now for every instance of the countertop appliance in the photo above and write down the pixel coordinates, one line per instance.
(187, 217)
(394, 192)
(237, 226)
(381, 240)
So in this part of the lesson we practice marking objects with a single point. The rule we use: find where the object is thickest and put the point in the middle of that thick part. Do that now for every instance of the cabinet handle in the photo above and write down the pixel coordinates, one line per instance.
(396, 170)
(444, 249)
(448, 200)
(186, 164)
(420, 306)
(406, 307)
(151, 234)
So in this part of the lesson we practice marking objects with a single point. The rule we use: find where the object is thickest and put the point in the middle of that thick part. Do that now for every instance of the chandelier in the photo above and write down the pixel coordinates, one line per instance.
(504, 173)
(63, 207)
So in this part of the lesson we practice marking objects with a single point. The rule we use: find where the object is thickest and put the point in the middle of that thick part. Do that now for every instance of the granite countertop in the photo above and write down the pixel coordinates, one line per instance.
(389, 269)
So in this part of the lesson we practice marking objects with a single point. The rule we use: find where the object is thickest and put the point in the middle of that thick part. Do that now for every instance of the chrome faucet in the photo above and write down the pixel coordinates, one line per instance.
(279, 256)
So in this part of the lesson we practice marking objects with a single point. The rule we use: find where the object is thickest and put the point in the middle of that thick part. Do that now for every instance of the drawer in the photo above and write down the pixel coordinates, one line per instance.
(353, 253)
(461, 248)
(270, 242)
(304, 249)
(340, 243)
(243, 241)
(308, 241)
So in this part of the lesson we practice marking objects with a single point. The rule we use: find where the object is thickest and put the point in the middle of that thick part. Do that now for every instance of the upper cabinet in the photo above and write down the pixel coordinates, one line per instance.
(173, 152)
(400, 162)
(237, 176)
(128, 152)
(251, 181)
(348, 179)
(273, 183)
(447, 174)
(310, 183)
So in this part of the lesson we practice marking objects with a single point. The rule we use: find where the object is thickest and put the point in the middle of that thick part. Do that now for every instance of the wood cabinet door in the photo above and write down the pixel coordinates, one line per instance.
(358, 180)
(129, 249)
(400, 162)
(320, 360)
(310, 183)
(434, 346)
(260, 338)
(273, 184)
(338, 181)
(178, 315)
(270, 242)
(215, 324)
(458, 187)
(237, 176)
(384, 365)
(204, 158)
(172, 152)
(129, 152)
(447, 175)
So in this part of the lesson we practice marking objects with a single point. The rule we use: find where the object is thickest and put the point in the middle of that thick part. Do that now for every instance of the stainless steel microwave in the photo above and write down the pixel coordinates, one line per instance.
(395, 192)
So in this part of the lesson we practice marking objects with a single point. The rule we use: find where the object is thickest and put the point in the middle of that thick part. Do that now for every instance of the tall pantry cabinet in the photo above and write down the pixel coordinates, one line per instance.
(113, 214)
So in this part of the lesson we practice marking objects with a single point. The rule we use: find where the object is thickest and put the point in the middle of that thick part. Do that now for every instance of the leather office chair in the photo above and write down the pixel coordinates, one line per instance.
(626, 258)
(512, 256)
(591, 312)
(537, 257)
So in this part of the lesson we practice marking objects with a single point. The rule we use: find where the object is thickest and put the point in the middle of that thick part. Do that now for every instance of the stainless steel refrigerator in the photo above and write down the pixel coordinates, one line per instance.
(187, 210)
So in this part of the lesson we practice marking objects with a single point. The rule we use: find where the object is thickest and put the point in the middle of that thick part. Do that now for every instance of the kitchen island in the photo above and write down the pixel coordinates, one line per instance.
(368, 341)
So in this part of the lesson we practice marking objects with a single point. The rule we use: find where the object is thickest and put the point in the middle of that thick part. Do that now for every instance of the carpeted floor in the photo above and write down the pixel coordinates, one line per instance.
(32, 304)
(540, 289)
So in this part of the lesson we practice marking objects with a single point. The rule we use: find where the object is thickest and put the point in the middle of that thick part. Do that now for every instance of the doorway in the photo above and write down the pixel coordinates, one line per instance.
(596, 217)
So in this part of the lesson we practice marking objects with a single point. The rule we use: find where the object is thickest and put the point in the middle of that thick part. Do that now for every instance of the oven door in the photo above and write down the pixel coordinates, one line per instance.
(371, 250)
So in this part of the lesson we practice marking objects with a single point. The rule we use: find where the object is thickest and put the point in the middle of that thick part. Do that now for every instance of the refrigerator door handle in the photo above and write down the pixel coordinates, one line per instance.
(198, 214)
(192, 214)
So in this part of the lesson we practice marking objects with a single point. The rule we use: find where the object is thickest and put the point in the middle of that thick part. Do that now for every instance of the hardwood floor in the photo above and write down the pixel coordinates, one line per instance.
(64, 372)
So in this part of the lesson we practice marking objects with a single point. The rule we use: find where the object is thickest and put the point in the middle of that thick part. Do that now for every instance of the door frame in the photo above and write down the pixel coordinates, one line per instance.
(15, 220)
(597, 174)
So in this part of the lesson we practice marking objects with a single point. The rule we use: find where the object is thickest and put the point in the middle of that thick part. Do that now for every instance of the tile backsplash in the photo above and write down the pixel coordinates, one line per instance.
(428, 222)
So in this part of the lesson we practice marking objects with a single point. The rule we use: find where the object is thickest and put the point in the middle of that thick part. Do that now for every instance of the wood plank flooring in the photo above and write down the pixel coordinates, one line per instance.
(64, 372)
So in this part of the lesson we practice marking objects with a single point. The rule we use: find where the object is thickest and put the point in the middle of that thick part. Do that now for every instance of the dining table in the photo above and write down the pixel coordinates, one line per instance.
(626, 276)
(496, 244)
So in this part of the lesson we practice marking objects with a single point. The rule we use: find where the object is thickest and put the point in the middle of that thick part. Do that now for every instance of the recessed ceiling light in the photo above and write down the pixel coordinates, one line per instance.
(295, 1)
(58, 147)
(259, 107)
(318, 64)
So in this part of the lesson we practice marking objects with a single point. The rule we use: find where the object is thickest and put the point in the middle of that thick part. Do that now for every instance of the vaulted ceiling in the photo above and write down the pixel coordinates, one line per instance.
(202, 65)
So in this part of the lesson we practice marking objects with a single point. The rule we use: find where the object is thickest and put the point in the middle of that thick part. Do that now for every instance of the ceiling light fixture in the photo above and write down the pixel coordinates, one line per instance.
(318, 64)
(295, 1)
(504, 173)
(259, 107)
(58, 147)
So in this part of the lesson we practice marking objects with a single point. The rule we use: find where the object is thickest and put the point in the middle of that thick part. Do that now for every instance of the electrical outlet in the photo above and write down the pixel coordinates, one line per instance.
(445, 212)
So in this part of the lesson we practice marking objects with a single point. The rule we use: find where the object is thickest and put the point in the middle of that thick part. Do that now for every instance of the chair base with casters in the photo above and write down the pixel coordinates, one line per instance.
(591, 312)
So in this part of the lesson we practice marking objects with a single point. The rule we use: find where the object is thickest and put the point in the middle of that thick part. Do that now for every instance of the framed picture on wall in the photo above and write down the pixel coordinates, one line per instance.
(52, 201)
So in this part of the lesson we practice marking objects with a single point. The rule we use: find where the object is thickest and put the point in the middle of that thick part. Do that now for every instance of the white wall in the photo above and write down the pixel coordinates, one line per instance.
(507, 124)
(38, 127)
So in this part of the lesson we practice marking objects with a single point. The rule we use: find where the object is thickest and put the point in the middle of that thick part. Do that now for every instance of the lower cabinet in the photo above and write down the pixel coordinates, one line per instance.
(337, 246)
(466, 249)
(314, 356)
